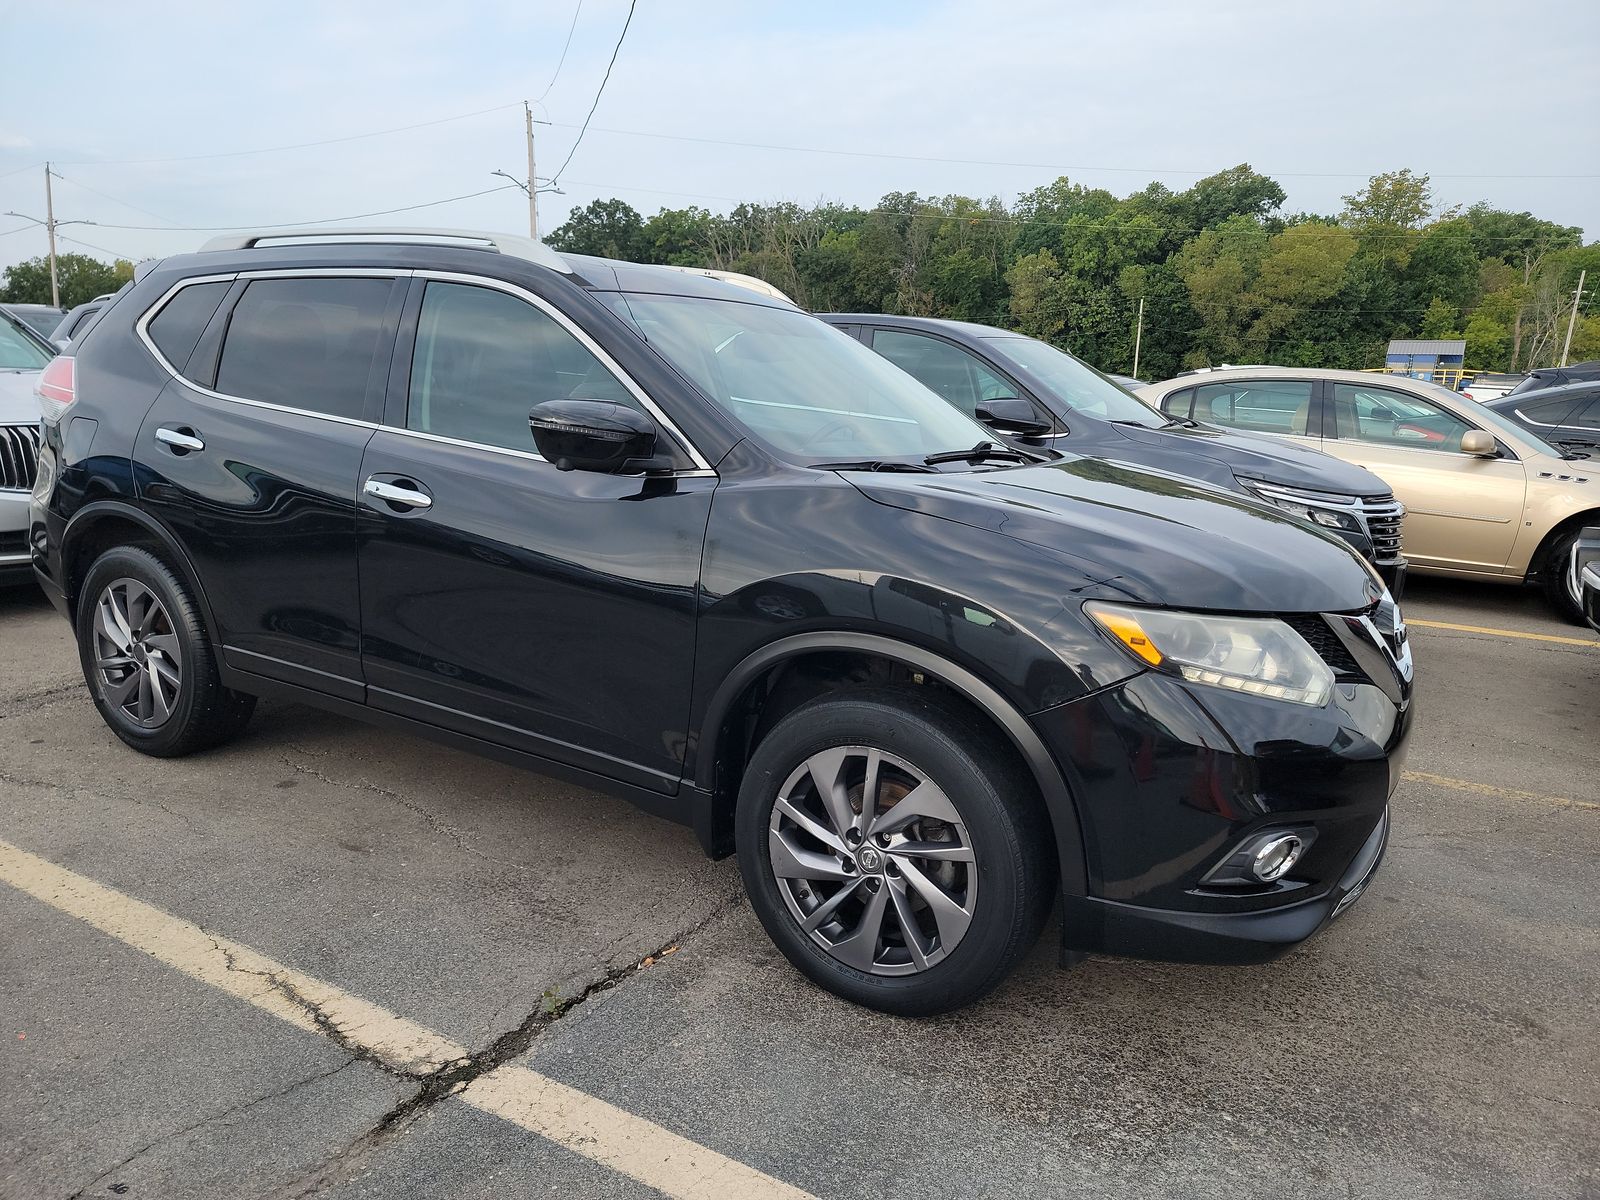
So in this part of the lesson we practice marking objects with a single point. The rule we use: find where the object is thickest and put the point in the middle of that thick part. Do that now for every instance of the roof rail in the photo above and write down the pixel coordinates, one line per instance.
(472, 239)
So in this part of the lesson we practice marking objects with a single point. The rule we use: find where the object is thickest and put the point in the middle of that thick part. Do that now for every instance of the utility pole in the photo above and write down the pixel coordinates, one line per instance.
(1573, 319)
(50, 227)
(533, 191)
(1138, 336)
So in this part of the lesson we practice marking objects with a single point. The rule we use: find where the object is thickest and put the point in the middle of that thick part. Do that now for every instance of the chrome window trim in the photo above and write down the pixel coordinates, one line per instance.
(588, 343)
(701, 470)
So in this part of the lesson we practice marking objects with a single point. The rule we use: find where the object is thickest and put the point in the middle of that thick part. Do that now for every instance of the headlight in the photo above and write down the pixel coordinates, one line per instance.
(1258, 655)
(1330, 510)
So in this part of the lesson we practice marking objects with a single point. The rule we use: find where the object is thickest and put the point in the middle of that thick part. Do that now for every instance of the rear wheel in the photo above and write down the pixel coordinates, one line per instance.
(894, 849)
(147, 660)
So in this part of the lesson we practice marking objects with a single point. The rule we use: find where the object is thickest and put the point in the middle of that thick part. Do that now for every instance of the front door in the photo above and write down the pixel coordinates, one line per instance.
(1463, 511)
(250, 456)
(549, 611)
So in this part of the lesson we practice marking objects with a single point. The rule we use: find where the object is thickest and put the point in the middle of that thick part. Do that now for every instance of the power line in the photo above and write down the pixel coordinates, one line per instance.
(564, 49)
(296, 224)
(615, 50)
(102, 249)
(354, 137)
(125, 204)
(1037, 166)
(19, 170)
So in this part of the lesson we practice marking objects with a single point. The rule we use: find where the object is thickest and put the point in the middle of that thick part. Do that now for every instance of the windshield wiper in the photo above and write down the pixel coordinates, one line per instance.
(874, 464)
(982, 452)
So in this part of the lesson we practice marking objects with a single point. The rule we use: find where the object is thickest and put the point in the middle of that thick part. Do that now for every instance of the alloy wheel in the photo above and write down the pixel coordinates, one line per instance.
(137, 660)
(873, 860)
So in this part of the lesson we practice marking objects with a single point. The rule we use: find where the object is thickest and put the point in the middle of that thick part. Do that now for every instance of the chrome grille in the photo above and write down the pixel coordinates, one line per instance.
(19, 456)
(1384, 515)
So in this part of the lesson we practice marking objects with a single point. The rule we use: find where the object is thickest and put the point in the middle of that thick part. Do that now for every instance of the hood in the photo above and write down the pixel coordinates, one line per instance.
(1147, 536)
(1268, 458)
(18, 405)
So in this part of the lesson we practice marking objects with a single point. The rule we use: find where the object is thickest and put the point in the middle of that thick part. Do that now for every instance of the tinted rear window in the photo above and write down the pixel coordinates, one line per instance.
(305, 343)
(178, 326)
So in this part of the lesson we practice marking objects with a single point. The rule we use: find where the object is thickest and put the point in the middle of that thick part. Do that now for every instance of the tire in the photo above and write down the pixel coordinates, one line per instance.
(162, 695)
(980, 837)
(1555, 576)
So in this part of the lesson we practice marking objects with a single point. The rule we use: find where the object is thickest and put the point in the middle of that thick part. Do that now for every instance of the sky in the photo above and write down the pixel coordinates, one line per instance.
(155, 114)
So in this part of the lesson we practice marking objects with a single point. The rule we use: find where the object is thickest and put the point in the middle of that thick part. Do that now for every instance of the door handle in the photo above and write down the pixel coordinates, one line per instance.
(394, 494)
(182, 441)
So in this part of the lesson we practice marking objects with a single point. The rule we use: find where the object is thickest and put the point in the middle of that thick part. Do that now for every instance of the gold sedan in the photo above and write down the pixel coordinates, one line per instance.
(1484, 498)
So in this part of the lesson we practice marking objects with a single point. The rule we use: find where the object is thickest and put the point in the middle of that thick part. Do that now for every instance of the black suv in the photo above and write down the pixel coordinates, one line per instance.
(1566, 415)
(682, 542)
(1036, 394)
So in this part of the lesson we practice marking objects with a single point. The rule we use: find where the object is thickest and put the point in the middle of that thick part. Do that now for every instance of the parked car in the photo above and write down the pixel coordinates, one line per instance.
(1032, 392)
(22, 357)
(679, 541)
(1126, 382)
(77, 319)
(1485, 499)
(1567, 415)
(1547, 377)
(40, 318)
(1489, 385)
(1586, 569)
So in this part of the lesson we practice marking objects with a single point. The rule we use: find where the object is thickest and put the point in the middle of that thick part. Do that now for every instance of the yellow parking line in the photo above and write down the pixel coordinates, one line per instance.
(1500, 793)
(1510, 633)
(656, 1157)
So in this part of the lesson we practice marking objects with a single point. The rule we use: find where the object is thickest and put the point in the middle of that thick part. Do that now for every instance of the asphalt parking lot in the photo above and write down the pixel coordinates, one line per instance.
(329, 960)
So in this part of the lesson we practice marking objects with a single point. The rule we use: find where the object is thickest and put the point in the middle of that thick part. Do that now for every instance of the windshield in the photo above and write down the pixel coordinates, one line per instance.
(1078, 386)
(18, 351)
(804, 388)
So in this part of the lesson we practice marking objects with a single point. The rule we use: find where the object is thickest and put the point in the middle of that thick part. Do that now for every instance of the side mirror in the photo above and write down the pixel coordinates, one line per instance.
(593, 435)
(1011, 414)
(1480, 443)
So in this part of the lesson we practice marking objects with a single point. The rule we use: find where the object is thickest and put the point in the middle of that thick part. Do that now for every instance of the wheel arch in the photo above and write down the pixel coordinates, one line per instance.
(104, 524)
(719, 761)
(1555, 533)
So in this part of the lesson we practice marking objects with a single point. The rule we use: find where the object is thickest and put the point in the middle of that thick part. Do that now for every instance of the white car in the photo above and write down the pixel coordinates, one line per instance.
(22, 357)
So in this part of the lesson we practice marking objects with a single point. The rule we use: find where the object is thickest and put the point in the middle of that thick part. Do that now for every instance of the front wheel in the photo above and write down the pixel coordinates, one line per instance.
(894, 849)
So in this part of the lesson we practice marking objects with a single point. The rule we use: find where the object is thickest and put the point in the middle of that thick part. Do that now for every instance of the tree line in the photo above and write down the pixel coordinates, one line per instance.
(1225, 274)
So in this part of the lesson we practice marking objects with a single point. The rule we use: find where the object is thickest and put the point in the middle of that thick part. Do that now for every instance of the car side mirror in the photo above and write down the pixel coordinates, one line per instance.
(1011, 414)
(1480, 443)
(594, 435)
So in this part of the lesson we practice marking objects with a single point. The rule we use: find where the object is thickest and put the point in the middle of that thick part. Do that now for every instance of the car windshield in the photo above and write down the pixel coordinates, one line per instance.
(18, 351)
(806, 389)
(1075, 384)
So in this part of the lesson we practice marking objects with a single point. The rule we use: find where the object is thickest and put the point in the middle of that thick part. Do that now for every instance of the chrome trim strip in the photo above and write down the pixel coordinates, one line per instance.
(11, 560)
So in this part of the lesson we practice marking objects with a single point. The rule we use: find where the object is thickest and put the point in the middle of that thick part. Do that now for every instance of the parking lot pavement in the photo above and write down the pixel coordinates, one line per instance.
(1438, 1040)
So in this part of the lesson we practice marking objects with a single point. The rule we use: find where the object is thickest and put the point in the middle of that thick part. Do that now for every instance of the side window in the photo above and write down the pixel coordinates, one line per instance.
(1569, 411)
(1388, 418)
(305, 343)
(1256, 405)
(484, 358)
(179, 324)
(1589, 418)
(950, 371)
(1176, 404)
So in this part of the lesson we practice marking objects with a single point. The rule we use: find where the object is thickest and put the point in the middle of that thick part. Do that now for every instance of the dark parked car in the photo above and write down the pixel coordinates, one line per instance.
(684, 543)
(39, 318)
(1566, 416)
(1547, 377)
(78, 318)
(1586, 569)
(1034, 393)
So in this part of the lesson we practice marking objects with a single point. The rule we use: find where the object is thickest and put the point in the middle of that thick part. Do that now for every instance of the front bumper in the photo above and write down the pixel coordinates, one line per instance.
(1226, 938)
(1169, 778)
(14, 555)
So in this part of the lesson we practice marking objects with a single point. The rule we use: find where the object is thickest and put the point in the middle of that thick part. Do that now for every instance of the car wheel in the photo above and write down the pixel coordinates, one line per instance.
(1560, 581)
(894, 849)
(148, 662)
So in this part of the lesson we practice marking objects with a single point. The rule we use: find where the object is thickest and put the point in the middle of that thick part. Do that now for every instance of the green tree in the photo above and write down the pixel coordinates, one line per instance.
(81, 278)
(608, 228)
(1440, 320)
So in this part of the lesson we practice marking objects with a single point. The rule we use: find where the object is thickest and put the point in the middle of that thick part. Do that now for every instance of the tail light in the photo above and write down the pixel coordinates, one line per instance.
(1467, 394)
(57, 388)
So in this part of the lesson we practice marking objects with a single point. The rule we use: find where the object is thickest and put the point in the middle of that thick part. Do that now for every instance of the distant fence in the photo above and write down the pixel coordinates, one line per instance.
(1450, 375)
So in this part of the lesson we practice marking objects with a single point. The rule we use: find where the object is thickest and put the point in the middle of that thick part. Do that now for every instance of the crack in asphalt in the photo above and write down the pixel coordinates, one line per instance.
(454, 833)
(230, 1111)
(434, 1086)
(73, 789)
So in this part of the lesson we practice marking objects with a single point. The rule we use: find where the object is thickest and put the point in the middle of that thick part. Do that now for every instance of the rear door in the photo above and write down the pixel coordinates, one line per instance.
(1286, 408)
(251, 455)
(1463, 511)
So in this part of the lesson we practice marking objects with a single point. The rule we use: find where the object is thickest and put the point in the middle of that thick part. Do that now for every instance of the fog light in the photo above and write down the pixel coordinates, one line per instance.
(1275, 857)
